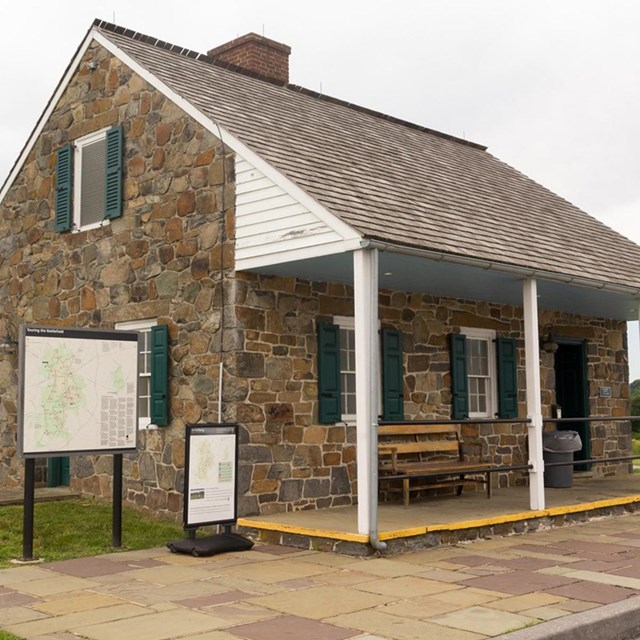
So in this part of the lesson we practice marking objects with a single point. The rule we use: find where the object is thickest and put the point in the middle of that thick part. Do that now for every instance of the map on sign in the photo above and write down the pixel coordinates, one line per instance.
(210, 474)
(79, 391)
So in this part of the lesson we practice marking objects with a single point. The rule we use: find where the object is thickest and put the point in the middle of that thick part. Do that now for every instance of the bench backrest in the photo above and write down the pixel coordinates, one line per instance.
(420, 438)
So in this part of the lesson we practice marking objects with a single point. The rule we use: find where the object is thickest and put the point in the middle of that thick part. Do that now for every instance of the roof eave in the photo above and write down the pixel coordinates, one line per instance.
(502, 267)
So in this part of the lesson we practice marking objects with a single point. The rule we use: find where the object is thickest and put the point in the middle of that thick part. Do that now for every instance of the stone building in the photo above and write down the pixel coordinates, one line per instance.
(295, 246)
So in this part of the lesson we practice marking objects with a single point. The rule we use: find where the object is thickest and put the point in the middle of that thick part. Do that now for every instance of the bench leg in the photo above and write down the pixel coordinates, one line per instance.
(405, 491)
(460, 486)
(488, 483)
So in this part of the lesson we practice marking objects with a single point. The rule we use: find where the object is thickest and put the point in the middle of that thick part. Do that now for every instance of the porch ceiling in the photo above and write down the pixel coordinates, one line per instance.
(422, 275)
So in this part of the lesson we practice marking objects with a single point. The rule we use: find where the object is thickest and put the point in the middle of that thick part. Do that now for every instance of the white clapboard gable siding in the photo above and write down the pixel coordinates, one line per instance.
(273, 226)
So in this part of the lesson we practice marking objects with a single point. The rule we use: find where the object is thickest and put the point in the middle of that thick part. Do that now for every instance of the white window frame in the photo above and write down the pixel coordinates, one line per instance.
(348, 323)
(78, 147)
(488, 335)
(144, 327)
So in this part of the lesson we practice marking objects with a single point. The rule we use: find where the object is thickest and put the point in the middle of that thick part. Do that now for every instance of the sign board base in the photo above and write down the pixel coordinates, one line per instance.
(210, 545)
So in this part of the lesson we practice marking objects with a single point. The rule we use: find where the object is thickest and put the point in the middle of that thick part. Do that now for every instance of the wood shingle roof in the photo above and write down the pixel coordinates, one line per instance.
(390, 180)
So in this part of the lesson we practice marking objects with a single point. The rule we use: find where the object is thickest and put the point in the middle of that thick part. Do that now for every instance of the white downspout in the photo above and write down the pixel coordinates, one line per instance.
(534, 403)
(365, 285)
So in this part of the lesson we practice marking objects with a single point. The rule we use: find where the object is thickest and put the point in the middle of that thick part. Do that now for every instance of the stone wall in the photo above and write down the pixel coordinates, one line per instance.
(164, 259)
(290, 462)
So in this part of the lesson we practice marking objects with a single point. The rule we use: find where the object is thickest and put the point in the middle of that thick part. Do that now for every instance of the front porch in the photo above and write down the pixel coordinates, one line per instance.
(449, 519)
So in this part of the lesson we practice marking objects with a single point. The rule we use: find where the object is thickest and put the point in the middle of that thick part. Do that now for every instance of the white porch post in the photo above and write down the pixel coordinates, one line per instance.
(365, 284)
(534, 403)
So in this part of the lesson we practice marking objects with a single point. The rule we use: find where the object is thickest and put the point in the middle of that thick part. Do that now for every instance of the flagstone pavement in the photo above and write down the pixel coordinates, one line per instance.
(471, 591)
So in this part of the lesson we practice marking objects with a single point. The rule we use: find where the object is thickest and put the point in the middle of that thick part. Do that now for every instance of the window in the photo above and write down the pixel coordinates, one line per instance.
(481, 377)
(347, 367)
(484, 381)
(89, 181)
(88, 187)
(337, 372)
(143, 327)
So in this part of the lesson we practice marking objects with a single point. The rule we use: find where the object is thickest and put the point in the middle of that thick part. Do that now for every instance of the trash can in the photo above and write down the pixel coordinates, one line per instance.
(558, 446)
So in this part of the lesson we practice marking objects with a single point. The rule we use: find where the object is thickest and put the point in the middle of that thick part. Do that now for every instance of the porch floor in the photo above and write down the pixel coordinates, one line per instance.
(449, 519)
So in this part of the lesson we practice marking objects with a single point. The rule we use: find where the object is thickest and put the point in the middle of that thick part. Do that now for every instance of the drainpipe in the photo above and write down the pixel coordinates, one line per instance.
(365, 285)
(374, 541)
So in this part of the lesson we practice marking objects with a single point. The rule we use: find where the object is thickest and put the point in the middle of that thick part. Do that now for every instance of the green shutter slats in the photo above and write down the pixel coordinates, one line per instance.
(392, 375)
(160, 375)
(113, 177)
(64, 186)
(58, 472)
(507, 378)
(459, 388)
(329, 397)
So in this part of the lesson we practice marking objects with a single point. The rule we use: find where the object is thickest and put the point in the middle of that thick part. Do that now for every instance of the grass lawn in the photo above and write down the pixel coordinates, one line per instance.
(77, 528)
(5, 635)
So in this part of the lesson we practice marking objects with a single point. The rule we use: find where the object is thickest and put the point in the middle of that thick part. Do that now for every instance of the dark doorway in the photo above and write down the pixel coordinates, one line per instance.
(571, 393)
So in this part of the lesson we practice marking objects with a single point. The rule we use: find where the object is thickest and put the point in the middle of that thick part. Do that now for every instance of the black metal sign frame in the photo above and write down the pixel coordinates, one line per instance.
(210, 475)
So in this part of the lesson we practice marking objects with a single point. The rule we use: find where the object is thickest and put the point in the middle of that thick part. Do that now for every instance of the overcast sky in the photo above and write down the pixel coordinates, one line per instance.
(552, 87)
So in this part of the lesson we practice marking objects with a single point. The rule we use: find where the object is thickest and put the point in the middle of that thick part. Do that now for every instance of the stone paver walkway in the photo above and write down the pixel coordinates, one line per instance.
(467, 592)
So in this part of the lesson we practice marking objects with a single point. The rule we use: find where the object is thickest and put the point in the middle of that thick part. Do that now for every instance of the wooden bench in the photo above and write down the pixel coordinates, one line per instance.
(427, 456)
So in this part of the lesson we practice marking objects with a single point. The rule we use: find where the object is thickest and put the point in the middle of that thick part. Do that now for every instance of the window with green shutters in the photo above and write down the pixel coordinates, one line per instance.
(143, 327)
(483, 375)
(336, 372)
(89, 181)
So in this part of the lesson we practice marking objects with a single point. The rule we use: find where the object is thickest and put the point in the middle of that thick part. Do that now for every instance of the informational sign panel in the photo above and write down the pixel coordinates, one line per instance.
(211, 475)
(78, 391)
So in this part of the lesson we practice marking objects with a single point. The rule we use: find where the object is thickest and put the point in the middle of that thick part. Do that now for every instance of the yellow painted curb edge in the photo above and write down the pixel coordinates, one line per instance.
(303, 531)
(451, 526)
(511, 517)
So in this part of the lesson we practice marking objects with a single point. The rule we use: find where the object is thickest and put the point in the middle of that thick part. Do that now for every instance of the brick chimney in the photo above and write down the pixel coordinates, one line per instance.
(256, 54)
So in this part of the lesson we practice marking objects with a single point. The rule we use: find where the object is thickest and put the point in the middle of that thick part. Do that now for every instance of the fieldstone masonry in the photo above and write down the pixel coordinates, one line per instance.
(170, 258)
(164, 259)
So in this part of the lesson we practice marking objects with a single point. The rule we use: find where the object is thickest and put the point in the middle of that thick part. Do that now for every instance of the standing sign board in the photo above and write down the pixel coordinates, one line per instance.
(78, 394)
(211, 475)
(78, 391)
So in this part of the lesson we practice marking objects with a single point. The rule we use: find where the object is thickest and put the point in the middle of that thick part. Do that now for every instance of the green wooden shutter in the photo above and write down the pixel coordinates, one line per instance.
(459, 385)
(160, 375)
(58, 472)
(64, 187)
(329, 396)
(507, 378)
(392, 375)
(113, 177)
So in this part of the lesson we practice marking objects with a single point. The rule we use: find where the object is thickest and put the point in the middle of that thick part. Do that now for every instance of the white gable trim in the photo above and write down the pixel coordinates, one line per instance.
(273, 227)
(60, 89)
(344, 230)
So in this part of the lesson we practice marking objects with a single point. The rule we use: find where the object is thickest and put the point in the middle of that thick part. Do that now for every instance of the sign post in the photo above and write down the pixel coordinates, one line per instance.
(210, 489)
